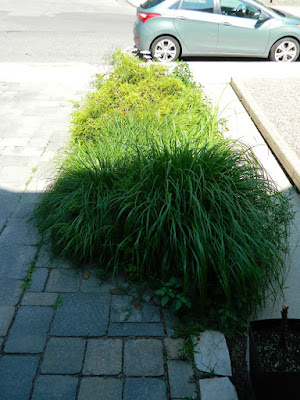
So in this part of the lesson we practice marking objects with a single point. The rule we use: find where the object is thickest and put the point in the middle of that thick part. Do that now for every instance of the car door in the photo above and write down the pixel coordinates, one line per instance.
(240, 30)
(197, 26)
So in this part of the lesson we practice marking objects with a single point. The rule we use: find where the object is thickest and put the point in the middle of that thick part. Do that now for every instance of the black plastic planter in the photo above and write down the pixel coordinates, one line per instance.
(268, 384)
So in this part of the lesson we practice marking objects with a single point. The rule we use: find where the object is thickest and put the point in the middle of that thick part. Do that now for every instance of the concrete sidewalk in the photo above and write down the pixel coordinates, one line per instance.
(69, 335)
(216, 80)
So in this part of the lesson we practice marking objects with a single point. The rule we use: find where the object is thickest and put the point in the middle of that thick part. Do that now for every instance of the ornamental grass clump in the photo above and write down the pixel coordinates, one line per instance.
(133, 90)
(203, 212)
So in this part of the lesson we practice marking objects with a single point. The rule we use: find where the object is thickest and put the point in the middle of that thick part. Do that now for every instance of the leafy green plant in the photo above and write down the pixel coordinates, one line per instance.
(131, 272)
(182, 71)
(172, 294)
(140, 94)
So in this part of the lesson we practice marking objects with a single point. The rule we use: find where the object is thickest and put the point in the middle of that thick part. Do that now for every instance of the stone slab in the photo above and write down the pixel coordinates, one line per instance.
(82, 314)
(145, 389)
(44, 260)
(212, 355)
(143, 357)
(180, 379)
(171, 321)
(216, 389)
(100, 389)
(6, 314)
(10, 291)
(29, 331)
(173, 347)
(136, 329)
(16, 376)
(18, 232)
(103, 357)
(39, 299)
(63, 356)
(64, 280)
(126, 309)
(38, 280)
(92, 284)
(15, 261)
(50, 387)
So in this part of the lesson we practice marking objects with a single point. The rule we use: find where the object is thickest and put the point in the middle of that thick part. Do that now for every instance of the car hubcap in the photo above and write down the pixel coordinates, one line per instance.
(165, 50)
(286, 52)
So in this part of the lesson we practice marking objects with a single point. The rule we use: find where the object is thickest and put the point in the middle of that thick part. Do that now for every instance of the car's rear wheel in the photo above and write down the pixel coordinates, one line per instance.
(285, 50)
(165, 48)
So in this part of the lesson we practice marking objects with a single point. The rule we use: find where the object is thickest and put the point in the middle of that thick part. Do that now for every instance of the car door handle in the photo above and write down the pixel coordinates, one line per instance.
(226, 24)
(181, 17)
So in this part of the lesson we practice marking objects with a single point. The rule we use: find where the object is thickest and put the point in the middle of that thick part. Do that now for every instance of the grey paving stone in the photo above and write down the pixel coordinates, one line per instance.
(16, 376)
(216, 389)
(173, 348)
(55, 387)
(29, 331)
(63, 356)
(8, 204)
(82, 314)
(171, 321)
(10, 291)
(15, 261)
(100, 389)
(145, 389)
(93, 284)
(28, 200)
(180, 376)
(103, 357)
(143, 357)
(38, 280)
(1, 341)
(126, 309)
(18, 232)
(212, 354)
(136, 329)
(6, 314)
(39, 299)
(64, 280)
(44, 260)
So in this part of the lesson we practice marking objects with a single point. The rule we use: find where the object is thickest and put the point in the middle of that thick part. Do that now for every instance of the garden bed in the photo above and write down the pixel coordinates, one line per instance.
(149, 186)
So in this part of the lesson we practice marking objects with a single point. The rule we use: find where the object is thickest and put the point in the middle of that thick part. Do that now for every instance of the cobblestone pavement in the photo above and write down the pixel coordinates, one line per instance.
(67, 335)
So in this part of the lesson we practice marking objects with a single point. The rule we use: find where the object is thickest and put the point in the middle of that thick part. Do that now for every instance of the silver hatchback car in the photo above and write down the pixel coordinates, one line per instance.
(238, 28)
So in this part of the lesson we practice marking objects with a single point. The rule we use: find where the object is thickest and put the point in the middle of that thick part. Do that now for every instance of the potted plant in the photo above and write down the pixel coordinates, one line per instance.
(274, 357)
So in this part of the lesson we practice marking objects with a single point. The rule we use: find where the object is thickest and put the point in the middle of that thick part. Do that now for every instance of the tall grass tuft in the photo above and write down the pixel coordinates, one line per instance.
(198, 209)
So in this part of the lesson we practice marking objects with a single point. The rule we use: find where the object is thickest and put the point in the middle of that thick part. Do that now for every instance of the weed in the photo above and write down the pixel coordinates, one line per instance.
(58, 303)
(27, 279)
(182, 71)
(187, 351)
(172, 294)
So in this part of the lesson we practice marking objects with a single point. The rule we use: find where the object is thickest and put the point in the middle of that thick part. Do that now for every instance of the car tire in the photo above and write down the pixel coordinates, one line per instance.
(165, 49)
(285, 50)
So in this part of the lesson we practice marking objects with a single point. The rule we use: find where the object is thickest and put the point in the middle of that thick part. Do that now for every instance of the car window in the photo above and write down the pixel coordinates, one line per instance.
(151, 3)
(175, 6)
(239, 8)
(198, 5)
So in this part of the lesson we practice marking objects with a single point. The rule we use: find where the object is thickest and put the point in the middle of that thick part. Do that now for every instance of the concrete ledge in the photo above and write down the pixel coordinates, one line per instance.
(286, 156)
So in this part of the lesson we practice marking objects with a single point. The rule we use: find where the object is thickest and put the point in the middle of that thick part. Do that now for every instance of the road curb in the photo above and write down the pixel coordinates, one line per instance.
(286, 156)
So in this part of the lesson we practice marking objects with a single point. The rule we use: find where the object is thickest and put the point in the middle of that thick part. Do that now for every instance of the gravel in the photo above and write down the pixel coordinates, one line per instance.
(279, 100)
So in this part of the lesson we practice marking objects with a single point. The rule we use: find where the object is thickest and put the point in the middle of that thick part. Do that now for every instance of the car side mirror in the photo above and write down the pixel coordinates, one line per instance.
(262, 17)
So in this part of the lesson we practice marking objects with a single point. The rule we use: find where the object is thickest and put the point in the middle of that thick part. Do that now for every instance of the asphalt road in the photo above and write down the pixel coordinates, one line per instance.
(64, 30)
